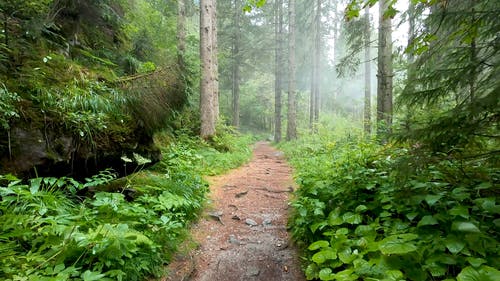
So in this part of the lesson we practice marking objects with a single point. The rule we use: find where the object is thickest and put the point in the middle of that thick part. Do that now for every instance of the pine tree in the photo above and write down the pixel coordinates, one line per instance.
(291, 132)
(278, 59)
(208, 83)
(384, 62)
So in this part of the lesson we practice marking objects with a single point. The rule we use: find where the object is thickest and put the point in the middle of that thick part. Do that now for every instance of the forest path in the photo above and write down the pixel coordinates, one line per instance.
(243, 237)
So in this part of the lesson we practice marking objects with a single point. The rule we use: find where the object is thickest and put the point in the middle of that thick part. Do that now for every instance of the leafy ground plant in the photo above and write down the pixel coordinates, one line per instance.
(49, 231)
(370, 212)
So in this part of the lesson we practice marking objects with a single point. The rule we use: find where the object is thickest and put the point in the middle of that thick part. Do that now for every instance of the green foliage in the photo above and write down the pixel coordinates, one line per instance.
(227, 150)
(371, 212)
(86, 108)
(253, 4)
(50, 232)
(457, 80)
(8, 107)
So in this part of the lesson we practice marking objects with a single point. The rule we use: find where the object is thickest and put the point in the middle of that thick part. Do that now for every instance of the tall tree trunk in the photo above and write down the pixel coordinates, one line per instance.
(208, 89)
(411, 38)
(291, 132)
(235, 88)
(384, 62)
(317, 63)
(215, 61)
(315, 73)
(181, 33)
(473, 56)
(368, 95)
(278, 33)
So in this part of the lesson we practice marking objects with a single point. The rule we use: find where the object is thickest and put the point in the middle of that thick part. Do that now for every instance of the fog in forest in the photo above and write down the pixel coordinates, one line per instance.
(339, 70)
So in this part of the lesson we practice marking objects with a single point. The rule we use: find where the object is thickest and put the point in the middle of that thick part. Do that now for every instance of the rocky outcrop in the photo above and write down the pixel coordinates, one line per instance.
(30, 150)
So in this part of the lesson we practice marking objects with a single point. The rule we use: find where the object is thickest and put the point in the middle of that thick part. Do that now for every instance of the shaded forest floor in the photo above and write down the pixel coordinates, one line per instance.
(242, 235)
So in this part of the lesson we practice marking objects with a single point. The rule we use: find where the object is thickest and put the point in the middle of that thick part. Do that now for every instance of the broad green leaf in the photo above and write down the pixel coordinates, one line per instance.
(324, 255)
(475, 262)
(319, 225)
(384, 214)
(393, 275)
(91, 276)
(398, 244)
(432, 199)
(334, 219)
(361, 209)
(363, 230)
(346, 255)
(342, 231)
(454, 245)
(460, 193)
(326, 274)
(346, 275)
(311, 271)
(352, 218)
(318, 244)
(411, 216)
(398, 248)
(436, 269)
(35, 185)
(427, 220)
(461, 211)
(58, 268)
(465, 227)
(484, 185)
(484, 273)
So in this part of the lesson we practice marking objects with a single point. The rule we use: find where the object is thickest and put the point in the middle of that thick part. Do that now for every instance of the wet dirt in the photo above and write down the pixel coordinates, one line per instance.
(242, 235)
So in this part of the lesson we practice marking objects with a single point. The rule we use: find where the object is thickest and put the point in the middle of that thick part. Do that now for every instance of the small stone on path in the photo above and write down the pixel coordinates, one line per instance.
(251, 222)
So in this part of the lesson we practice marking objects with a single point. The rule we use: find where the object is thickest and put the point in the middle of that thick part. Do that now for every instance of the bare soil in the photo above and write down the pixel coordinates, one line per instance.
(242, 235)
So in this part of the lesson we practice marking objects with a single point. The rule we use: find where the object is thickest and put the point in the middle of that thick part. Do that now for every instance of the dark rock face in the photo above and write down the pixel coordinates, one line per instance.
(29, 151)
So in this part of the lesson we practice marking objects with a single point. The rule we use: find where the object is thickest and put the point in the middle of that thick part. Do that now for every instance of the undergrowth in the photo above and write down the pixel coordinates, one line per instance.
(61, 229)
(370, 212)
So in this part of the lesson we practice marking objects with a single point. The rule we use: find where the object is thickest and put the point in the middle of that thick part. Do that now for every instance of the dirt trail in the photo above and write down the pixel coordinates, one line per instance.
(243, 236)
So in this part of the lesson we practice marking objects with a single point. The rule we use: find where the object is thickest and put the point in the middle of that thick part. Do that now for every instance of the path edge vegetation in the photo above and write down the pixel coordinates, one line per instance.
(371, 211)
(107, 228)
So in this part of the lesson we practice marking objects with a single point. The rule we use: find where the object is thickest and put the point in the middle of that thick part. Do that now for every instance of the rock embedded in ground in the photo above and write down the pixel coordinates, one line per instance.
(251, 222)
(266, 222)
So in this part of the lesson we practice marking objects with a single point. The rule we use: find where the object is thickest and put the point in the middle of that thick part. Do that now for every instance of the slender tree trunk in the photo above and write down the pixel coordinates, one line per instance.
(411, 38)
(411, 28)
(311, 95)
(315, 69)
(317, 63)
(291, 132)
(236, 64)
(181, 32)
(473, 57)
(215, 61)
(384, 61)
(368, 95)
(278, 31)
(208, 89)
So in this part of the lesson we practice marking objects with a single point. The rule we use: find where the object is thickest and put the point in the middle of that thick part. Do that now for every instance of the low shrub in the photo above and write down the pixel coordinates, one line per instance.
(370, 212)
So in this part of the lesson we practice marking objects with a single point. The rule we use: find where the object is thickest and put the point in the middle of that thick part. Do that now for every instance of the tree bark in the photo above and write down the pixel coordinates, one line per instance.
(215, 61)
(291, 132)
(384, 75)
(368, 96)
(278, 31)
(208, 88)
(181, 32)
(235, 88)
(315, 69)
(317, 63)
